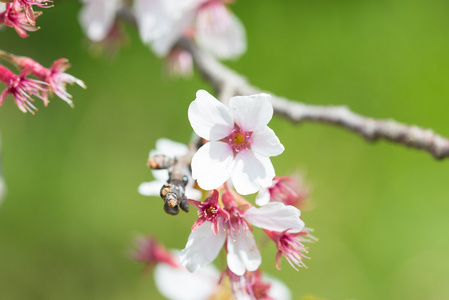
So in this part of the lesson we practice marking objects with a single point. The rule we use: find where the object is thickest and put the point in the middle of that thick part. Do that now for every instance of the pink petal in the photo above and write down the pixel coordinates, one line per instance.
(212, 165)
(210, 118)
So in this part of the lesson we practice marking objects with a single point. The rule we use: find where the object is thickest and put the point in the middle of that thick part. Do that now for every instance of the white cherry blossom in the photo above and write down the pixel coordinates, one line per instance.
(240, 142)
(169, 148)
(162, 23)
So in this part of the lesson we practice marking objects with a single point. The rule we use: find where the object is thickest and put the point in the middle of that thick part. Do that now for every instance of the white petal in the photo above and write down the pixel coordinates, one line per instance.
(243, 253)
(179, 284)
(160, 175)
(97, 18)
(275, 216)
(253, 112)
(202, 247)
(251, 172)
(170, 148)
(263, 197)
(152, 188)
(278, 290)
(212, 165)
(266, 143)
(192, 193)
(210, 118)
(230, 43)
(161, 25)
(2, 7)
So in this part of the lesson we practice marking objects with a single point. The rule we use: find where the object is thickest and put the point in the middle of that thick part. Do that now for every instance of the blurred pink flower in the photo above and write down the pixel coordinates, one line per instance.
(21, 88)
(290, 246)
(162, 23)
(54, 76)
(13, 16)
(287, 190)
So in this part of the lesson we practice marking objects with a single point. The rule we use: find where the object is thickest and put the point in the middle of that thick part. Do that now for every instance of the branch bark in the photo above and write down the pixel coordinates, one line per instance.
(229, 83)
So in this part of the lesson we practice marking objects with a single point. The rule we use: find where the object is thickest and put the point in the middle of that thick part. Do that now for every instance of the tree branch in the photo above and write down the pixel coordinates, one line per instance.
(229, 83)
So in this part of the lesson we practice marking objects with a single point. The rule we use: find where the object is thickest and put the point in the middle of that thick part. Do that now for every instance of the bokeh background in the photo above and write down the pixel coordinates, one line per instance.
(380, 210)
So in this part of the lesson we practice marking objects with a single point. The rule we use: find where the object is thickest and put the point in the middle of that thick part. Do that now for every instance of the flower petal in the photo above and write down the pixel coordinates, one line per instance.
(179, 284)
(161, 25)
(212, 165)
(266, 143)
(243, 253)
(263, 197)
(170, 148)
(152, 188)
(251, 172)
(210, 118)
(253, 112)
(97, 18)
(278, 290)
(230, 43)
(192, 193)
(202, 247)
(160, 175)
(275, 216)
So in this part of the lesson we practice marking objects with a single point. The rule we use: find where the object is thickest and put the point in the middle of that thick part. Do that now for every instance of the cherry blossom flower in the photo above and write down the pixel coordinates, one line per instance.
(162, 23)
(258, 285)
(21, 88)
(150, 252)
(27, 6)
(172, 149)
(240, 142)
(207, 283)
(210, 210)
(287, 190)
(97, 17)
(13, 16)
(204, 244)
(290, 246)
(169, 273)
(180, 63)
(54, 77)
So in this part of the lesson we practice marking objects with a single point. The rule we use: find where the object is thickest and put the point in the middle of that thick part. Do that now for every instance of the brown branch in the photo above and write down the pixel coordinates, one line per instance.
(229, 83)
(173, 192)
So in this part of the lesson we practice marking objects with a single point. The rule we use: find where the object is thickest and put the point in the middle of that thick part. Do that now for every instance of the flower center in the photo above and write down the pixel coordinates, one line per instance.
(209, 212)
(238, 139)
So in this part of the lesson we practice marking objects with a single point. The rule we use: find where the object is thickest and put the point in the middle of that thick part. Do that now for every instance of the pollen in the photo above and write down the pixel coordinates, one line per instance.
(238, 139)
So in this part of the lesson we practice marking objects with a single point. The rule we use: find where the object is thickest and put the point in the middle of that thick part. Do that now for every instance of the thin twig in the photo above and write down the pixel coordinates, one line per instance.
(230, 83)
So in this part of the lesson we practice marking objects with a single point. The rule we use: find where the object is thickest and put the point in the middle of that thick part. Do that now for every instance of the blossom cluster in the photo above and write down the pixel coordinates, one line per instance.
(49, 81)
(232, 161)
(19, 14)
(206, 283)
(162, 23)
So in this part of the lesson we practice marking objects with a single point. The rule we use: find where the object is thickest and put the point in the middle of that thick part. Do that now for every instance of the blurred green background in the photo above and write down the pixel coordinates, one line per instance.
(380, 210)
